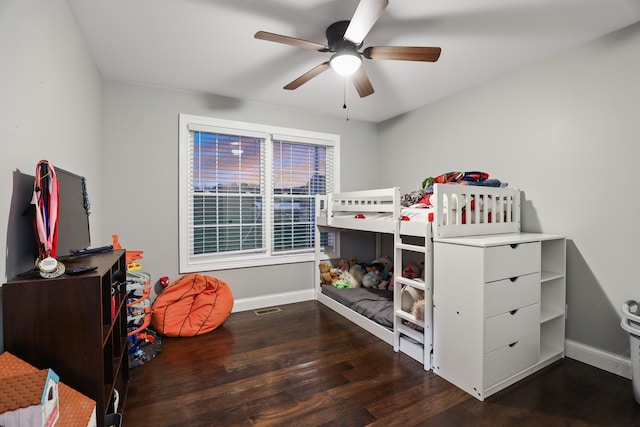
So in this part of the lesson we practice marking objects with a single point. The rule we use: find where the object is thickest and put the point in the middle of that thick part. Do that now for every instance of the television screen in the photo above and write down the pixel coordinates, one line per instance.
(73, 213)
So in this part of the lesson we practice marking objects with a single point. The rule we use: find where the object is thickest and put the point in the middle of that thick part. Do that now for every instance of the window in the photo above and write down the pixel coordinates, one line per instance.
(247, 192)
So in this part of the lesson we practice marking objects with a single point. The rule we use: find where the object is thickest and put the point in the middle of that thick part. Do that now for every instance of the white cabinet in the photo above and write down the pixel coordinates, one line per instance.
(499, 308)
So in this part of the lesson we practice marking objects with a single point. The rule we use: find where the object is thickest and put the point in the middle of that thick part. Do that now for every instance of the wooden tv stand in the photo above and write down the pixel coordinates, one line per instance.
(66, 324)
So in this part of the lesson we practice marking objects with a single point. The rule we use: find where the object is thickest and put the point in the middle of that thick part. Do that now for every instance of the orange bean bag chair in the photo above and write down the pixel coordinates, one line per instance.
(192, 305)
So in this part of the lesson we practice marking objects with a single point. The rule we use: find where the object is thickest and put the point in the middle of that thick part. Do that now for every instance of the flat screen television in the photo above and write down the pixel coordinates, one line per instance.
(73, 213)
(73, 221)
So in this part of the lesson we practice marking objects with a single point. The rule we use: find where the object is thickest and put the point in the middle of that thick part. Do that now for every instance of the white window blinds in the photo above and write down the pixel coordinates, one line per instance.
(300, 172)
(227, 193)
(247, 193)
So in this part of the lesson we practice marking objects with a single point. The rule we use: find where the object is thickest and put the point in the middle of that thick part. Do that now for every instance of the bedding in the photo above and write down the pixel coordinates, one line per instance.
(373, 304)
(467, 178)
(422, 197)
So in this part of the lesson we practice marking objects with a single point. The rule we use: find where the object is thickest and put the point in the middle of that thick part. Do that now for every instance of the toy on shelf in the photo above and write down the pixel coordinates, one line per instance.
(131, 256)
(138, 306)
(138, 292)
(144, 344)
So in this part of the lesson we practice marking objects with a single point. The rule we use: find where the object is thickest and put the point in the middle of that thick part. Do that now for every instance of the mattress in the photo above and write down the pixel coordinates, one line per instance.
(373, 304)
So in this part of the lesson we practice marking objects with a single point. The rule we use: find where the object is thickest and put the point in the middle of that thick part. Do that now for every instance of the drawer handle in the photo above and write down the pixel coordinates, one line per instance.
(513, 344)
(514, 245)
(513, 279)
(512, 312)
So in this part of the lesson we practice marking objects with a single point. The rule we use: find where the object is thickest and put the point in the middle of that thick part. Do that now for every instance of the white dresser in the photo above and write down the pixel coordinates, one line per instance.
(499, 308)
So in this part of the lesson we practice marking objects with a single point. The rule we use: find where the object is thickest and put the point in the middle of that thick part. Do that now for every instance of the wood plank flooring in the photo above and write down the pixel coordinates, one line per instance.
(308, 366)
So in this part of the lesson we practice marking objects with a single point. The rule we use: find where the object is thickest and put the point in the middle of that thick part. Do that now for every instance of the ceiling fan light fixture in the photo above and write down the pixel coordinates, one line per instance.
(345, 63)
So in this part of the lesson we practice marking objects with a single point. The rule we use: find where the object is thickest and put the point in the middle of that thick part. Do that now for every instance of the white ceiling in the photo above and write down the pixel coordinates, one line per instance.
(208, 45)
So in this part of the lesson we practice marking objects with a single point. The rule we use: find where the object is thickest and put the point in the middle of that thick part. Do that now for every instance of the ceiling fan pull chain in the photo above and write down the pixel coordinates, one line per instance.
(344, 96)
(344, 105)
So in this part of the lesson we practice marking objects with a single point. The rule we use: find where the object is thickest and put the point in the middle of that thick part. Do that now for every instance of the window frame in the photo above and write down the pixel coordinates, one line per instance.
(212, 262)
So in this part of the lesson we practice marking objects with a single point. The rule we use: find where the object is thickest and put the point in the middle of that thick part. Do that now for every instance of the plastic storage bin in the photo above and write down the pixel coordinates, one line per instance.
(631, 323)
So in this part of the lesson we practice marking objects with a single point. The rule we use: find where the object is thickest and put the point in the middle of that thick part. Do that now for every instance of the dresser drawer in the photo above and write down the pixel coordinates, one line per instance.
(509, 327)
(510, 359)
(503, 262)
(507, 294)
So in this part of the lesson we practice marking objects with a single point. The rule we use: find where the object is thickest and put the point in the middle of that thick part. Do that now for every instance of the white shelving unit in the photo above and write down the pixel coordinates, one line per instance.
(499, 308)
(552, 298)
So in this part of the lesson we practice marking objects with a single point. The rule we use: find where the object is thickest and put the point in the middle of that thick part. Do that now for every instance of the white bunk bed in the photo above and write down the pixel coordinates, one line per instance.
(495, 211)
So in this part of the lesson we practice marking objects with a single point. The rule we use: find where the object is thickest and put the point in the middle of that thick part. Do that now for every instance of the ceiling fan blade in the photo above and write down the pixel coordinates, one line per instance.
(366, 15)
(403, 53)
(263, 35)
(362, 82)
(307, 76)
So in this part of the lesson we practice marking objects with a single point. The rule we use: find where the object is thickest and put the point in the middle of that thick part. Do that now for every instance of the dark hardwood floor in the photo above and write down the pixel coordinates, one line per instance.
(308, 366)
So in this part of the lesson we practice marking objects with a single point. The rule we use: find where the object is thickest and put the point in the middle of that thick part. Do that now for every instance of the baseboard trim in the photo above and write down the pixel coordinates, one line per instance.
(246, 304)
(604, 360)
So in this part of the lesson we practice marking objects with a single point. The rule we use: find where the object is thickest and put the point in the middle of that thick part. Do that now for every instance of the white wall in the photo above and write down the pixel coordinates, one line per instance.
(140, 158)
(566, 131)
(49, 109)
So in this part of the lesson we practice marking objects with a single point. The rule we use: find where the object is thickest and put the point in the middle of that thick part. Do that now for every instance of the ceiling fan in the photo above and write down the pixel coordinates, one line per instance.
(344, 39)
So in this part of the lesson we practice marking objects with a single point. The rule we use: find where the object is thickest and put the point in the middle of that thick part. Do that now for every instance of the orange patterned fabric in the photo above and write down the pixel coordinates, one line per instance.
(192, 305)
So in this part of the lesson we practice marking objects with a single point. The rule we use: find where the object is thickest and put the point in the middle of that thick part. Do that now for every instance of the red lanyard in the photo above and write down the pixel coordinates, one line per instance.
(45, 198)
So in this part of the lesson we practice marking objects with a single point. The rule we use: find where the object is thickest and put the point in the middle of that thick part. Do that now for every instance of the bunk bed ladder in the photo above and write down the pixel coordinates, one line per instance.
(407, 338)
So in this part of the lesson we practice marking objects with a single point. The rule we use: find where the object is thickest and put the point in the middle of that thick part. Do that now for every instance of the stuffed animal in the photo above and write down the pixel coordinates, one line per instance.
(349, 280)
(325, 277)
(371, 280)
(343, 265)
(418, 309)
(387, 284)
(328, 274)
(387, 266)
(372, 267)
(357, 272)
(412, 270)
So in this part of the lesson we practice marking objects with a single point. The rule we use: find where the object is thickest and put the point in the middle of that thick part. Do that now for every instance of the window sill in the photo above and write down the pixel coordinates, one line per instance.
(244, 261)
